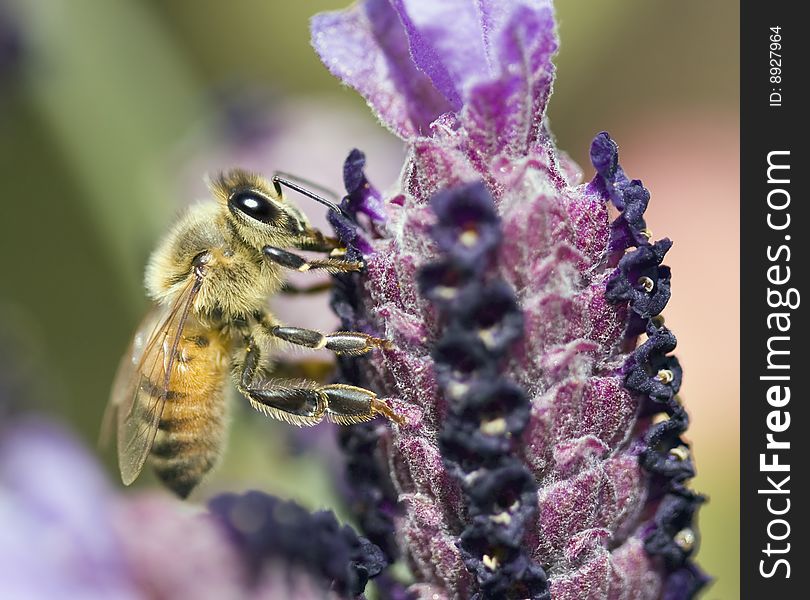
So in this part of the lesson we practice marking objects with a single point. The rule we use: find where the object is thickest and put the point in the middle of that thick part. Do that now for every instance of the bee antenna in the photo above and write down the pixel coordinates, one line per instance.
(280, 179)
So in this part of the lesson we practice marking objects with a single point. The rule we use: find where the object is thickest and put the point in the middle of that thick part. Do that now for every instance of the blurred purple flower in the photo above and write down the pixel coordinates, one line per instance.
(541, 453)
(56, 519)
(11, 45)
(65, 534)
(266, 528)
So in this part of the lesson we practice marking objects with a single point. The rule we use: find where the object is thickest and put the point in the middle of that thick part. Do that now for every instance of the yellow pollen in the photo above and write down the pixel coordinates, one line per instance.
(470, 478)
(469, 238)
(685, 539)
(665, 376)
(447, 293)
(680, 452)
(458, 389)
(490, 562)
(646, 284)
(660, 418)
(503, 518)
(494, 427)
(487, 336)
(646, 233)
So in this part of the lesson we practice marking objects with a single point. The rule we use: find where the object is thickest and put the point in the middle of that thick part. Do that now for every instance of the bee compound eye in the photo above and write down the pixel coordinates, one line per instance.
(254, 205)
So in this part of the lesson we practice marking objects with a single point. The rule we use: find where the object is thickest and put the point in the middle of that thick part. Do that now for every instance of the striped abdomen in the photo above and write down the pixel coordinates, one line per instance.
(191, 432)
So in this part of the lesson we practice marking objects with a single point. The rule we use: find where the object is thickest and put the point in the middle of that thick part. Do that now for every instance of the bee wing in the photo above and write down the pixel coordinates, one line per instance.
(127, 368)
(142, 382)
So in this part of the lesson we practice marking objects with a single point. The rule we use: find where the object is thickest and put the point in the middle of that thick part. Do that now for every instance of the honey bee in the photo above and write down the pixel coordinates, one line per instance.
(210, 279)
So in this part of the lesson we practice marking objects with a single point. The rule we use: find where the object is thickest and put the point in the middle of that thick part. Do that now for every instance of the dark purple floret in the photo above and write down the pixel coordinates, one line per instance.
(348, 232)
(443, 281)
(673, 537)
(493, 314)
(497, 491)
(465, 441)
(630, 197)
(361, 196)
(629, 228)
(516, 576)
(265, 527)
(635, 198)
(371, 496)
(685, 583)
(605, 157)
(650, 371)
(641, 279)
(461, 357)
(666, 453)
(468, 226)
(499, 399)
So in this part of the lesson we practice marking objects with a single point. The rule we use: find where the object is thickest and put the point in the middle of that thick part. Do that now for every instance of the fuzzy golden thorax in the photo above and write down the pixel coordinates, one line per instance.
(238, 279)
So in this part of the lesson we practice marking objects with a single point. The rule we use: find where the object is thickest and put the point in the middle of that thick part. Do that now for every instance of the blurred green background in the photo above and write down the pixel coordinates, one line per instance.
(109, 109)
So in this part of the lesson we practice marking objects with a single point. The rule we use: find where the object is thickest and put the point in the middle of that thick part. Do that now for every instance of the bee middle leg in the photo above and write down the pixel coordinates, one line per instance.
(303, 402)
(351, 343)
(296, 262)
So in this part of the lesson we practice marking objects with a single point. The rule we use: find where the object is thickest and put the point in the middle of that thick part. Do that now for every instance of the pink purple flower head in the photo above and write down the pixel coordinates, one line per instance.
(529, 463)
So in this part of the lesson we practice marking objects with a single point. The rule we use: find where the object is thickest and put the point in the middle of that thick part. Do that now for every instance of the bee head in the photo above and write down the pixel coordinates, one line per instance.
(259, 214)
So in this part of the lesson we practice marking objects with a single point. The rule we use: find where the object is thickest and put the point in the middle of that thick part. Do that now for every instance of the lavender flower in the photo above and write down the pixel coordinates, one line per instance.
(65, 534)
(541, 454)
(11, 46)
(265, 527)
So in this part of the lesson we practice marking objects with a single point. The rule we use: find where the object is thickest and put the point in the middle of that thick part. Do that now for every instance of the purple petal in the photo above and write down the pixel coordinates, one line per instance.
(367, 48)
(446, 43)
(506, 114)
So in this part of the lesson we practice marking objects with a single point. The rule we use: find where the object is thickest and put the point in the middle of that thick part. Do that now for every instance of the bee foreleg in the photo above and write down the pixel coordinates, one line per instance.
(316, 241)
(331, 264)
(352, 343)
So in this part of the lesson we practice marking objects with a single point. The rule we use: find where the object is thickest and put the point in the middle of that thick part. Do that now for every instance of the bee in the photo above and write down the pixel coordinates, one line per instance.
(210, 279)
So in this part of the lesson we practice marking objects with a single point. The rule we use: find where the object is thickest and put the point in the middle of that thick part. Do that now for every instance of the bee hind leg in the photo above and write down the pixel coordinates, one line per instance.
(348, 404)
(293, 401)
(303, 402)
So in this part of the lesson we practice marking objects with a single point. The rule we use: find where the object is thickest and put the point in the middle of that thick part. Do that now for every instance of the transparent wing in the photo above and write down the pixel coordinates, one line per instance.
(142, 382)
(122, 393)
